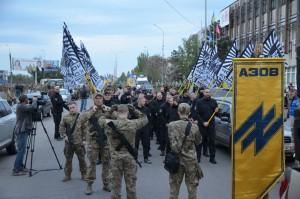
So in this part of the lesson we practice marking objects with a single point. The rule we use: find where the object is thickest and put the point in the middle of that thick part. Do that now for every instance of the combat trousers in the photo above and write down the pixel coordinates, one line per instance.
(192, 174)
(93, 151)
(123, 166)
(69, 151)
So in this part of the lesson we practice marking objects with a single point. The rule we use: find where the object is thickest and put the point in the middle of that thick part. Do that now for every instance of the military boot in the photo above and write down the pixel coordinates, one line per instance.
(89, 190)
(66, 178)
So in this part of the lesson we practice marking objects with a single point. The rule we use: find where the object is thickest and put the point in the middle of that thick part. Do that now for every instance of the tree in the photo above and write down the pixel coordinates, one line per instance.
(223, 47)
(184, 58)
(150, 66)
(122, 79)
(42, 74)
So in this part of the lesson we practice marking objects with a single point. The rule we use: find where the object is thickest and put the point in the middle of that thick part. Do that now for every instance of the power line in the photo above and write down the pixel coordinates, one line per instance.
(180, 14)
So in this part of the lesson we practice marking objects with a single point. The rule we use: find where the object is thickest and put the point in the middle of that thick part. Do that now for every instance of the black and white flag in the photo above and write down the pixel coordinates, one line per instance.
(71, 58)
(248, 51)
(224, 75)
(86, 60)
(272, 46)
(198, 74)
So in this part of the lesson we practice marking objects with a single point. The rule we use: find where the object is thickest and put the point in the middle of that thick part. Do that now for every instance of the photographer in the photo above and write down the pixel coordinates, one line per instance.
(23, 128)
(57, 108)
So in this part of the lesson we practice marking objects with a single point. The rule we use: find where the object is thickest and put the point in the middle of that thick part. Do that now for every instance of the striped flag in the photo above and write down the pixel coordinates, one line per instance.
(199, 75)
(71, 58)
(272, 46)
(248, 51)
(85, 57)
(224, 75)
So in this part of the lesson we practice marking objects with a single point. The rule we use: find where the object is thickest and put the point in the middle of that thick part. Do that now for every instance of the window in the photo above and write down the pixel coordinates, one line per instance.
(3, 111)
(290, 75)
(224, 110)
(249, 9)
(264, 6)
(243, 13)
(256, 7)
(282, 2)
(273, 4)
(7, 107)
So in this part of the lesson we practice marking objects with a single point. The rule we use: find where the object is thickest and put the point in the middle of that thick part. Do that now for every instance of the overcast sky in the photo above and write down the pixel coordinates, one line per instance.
(108, 28)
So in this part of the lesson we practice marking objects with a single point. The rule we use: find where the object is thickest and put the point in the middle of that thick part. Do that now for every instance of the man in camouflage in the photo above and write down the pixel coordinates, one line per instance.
(122, 162)
(73, 142)
(188, 158)
(96, 143)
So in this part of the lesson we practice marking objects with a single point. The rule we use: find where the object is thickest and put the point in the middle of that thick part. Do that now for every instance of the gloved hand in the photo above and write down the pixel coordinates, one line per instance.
(131, 108)
(105, 108)
(66, 139)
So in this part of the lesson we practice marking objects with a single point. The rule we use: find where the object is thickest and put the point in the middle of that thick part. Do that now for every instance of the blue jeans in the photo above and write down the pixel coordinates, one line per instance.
(21, 144)
(83, 104)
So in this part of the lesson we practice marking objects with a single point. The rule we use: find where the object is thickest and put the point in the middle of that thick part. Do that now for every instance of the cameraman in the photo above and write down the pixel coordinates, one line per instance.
(23, 128)
(57, 108)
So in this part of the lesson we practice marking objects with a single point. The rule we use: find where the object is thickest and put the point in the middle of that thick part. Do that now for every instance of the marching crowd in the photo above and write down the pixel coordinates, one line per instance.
(113, 128)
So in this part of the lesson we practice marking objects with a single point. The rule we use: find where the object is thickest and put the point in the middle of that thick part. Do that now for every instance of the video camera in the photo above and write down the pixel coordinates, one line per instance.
(37, 114)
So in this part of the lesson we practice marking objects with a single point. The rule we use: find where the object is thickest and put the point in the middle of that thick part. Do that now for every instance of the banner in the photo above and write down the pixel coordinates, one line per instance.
(257, 141)
(224, 17)
(225, 71)
(86, 60)
(71, 58)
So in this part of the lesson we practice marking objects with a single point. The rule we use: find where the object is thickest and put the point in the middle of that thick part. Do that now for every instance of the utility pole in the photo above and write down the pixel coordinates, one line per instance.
(162, 52)
(116, 69)
(10, 66)
(205, 23)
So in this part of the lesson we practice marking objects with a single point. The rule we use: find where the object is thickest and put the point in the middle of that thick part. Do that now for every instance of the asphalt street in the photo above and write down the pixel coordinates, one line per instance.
(152, 179)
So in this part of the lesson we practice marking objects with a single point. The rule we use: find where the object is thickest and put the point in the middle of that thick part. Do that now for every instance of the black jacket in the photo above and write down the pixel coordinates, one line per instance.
(58, 104)
(125, 99)
(206, 107)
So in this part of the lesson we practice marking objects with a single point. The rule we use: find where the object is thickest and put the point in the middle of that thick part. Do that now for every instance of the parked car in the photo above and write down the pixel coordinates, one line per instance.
(7, 125)
(65, 94)
(45, 104)
(223, 127)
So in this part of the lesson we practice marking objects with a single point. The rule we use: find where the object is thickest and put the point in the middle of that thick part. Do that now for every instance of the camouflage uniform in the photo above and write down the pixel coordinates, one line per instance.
(94, 148)
(188, 158)
(73, 145)
(122, 163)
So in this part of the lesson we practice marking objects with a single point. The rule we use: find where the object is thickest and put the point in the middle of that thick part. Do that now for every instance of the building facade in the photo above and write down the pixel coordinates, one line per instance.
(247, 20)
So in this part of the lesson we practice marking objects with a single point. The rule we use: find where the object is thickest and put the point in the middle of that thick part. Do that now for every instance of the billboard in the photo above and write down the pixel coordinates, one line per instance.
(50, 65)
(224, 17)
(3, 77)
(22, 64)
(257, 141)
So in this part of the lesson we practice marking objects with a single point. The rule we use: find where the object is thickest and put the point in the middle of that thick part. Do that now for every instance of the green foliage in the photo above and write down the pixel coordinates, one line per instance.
(21, 79)
(223, 47)
(122, 79)
(42, 74)
(150, 66)
(185, 57)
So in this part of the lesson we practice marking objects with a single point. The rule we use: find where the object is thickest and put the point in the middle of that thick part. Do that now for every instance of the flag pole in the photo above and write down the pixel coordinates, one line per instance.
(211, 117)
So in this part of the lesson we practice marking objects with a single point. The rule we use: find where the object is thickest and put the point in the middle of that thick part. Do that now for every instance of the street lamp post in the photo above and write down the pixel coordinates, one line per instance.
(162, 52)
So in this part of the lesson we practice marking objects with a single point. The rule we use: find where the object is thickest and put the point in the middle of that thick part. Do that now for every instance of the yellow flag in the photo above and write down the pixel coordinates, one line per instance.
(257, 141)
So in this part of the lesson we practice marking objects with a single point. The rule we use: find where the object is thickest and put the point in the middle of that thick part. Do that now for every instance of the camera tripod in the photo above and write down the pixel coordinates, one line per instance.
(31, 147)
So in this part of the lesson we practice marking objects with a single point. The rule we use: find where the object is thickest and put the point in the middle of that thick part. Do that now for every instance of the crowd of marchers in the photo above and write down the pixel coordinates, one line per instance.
(112, 129)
